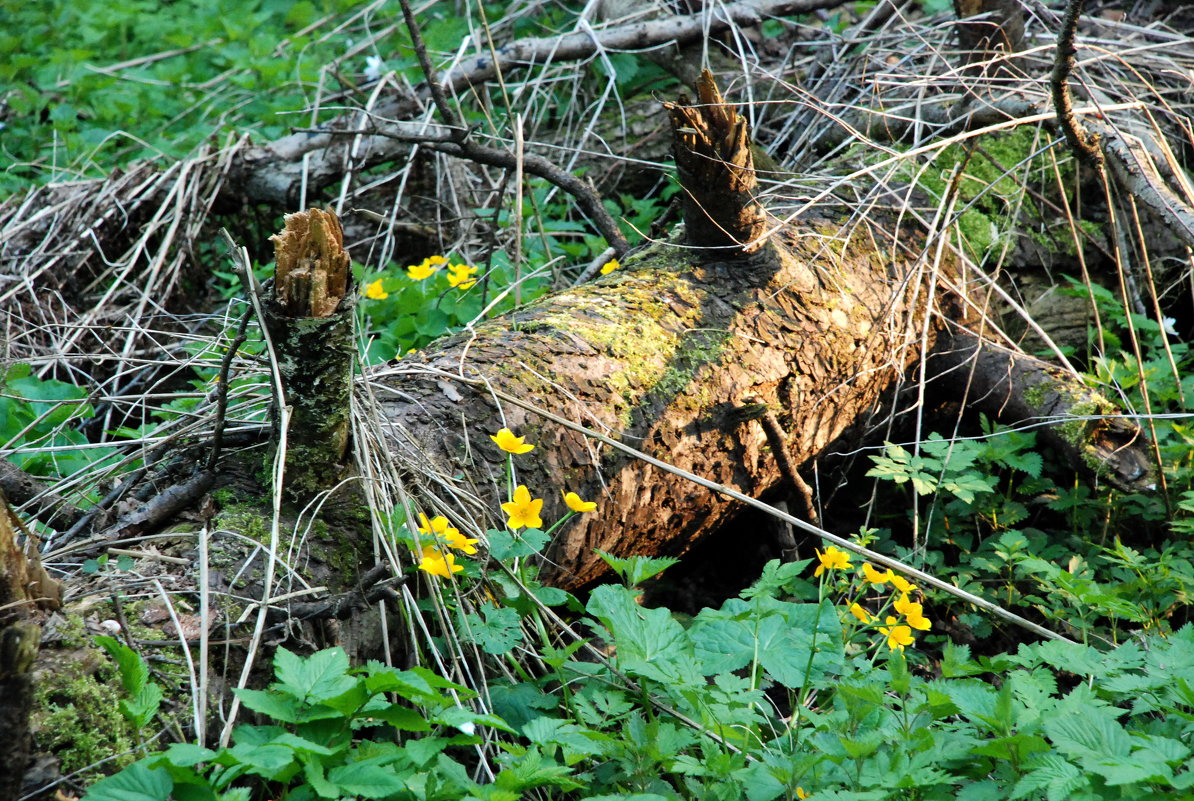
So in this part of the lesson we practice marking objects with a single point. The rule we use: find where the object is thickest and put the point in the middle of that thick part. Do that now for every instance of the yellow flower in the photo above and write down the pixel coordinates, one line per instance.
(800, 793)
(506, 440)
(610, 266)
(458, 276)
(375, 292)
(874, 576)
(900, 583)
(435, 261)
(832, 559)
(437, 525)
(913, 613)
(906, 606)
(523, 511)
(918, 622)
(438, 563)
(460, 542)
(418, 272)
(897, 636)
(576, 504)
(860, 613)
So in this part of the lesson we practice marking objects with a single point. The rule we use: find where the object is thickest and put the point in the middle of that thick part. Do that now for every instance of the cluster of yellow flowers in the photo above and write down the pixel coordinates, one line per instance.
(460, 276)
(909, 614)
(522, 511)
(437, 557)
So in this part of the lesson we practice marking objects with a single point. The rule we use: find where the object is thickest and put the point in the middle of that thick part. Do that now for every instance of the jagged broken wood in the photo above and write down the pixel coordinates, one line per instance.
(309, 316)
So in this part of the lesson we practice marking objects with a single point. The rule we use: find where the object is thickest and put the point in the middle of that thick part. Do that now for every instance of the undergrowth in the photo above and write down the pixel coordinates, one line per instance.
(824, 678)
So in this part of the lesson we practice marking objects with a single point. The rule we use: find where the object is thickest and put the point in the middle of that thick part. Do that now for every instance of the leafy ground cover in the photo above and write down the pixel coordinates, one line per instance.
(823, 678)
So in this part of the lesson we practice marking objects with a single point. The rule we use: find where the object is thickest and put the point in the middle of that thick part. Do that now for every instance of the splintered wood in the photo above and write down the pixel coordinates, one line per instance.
(312, 271)
(717, 171)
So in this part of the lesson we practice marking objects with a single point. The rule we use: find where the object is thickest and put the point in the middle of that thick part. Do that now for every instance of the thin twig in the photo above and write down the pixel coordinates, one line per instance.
(1084, 144)
(463, 147)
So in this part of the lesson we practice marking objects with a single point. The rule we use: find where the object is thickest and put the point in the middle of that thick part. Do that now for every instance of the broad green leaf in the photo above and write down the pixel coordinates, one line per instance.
(320, 676)
(137, 782)
(366, 781)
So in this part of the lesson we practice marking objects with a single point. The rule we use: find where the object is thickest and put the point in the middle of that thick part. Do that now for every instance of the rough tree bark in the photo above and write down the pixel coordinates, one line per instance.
(25, 591)
(813, 320)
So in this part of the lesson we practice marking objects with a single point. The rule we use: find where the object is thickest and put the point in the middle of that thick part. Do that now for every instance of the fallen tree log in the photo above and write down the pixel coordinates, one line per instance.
(813, 319)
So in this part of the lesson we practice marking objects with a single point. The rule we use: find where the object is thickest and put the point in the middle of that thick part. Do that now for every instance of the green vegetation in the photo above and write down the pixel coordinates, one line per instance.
(824, 678)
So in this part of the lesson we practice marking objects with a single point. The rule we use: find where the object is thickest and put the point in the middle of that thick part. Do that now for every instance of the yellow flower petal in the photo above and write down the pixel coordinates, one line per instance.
(438, 563)
(860, 613)
(576, 504)
(832, 559)
(459, 276)
(418, 272)
(374, 291)
(523, 510)
(874, 576)
(610, 266)
(456, 540)
(900, 583)
(897, 636)
(506, 440)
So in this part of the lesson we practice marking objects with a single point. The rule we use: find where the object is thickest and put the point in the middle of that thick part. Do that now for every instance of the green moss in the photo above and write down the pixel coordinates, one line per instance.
(247, 519)
(77, 717)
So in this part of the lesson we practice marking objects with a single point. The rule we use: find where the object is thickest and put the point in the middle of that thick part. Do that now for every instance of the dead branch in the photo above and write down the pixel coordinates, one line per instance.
(1085, 146)
(717, 172)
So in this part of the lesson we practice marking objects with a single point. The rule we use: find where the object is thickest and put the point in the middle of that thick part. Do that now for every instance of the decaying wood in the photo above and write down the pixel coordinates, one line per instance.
(25, 588)
(717, 172)
(1083, 425)
(815, 325)
(309, 317)
(988, 29)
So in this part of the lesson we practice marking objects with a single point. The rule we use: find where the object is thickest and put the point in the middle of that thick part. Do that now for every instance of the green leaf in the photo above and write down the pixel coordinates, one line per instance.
(137, 782)
(498, 631)
(268, 760)
(185, 755)
(134, 673)
(366, 781)
(320, 676)
(1092, 733)
(634, 570)
(650, 643)
(1054, 774)
(504, 545)
(275, 705)
(401, 717)
(141, 709)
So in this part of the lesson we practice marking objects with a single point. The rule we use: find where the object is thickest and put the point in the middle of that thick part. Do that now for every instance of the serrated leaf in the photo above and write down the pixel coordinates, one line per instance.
(401, 717)
(134, 673)
(497, 630)
(320, 676)
(366, 781)
(1091, 734)
(650, 643)
(275, 705)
